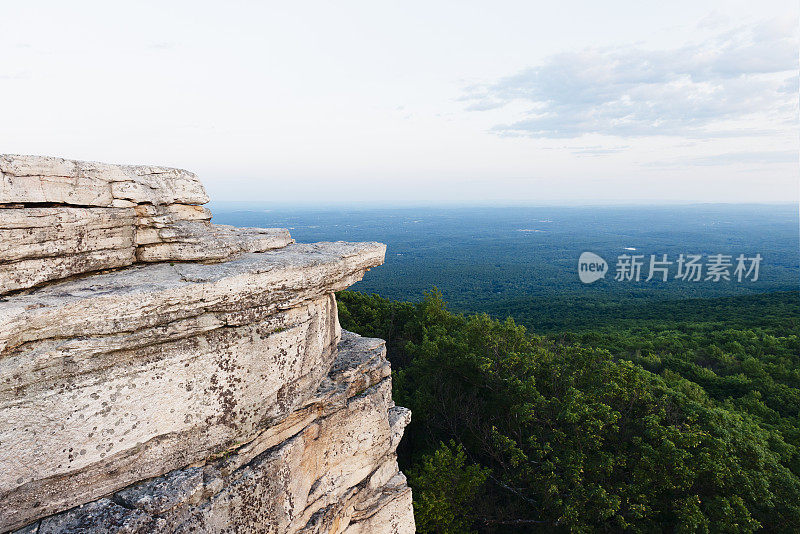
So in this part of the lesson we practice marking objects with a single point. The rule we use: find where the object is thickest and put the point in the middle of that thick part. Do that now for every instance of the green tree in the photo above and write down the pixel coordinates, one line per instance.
(640, 430)
(445, 491)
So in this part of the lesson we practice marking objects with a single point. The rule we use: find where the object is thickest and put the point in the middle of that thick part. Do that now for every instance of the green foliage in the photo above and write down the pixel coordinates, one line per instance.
(586, 313)
(689, 428)
(445, 489)
(754, 371)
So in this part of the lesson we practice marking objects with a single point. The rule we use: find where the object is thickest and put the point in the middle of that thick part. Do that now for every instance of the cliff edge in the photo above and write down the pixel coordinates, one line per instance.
(160, 373)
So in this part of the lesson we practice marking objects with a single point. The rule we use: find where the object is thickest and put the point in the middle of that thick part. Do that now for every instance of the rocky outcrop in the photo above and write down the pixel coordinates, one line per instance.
(199, 383)
(41, 179)
(61, 218)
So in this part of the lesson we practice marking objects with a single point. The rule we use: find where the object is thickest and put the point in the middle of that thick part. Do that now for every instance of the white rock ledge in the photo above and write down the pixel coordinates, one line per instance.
(60, 218)
(327, 467)
(43, 179)
(159, 373)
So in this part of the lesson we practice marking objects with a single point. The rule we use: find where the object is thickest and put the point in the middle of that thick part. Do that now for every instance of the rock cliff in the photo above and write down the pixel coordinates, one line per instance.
(159, 373)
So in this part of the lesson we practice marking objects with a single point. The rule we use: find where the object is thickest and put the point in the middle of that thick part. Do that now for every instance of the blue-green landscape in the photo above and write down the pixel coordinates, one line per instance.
(522, 262)
(541, 404)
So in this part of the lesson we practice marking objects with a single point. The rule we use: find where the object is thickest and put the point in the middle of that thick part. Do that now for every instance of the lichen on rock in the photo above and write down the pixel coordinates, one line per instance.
(161, 373)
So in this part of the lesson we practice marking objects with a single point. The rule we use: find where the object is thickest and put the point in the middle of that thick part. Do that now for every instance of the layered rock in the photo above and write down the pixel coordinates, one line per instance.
(60, 218)
(328, 467)
(187, 395)
(42, 179)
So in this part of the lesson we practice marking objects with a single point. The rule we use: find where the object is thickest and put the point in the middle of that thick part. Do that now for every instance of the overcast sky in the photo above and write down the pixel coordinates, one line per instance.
(416, 102)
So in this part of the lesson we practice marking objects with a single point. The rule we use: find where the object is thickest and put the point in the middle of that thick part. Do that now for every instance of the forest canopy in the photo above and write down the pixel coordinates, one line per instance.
(673, 422)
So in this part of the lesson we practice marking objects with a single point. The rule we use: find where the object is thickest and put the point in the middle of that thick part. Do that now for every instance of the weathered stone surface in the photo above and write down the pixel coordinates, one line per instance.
(329, 460)
(148, 369)
(99, 517)
(391, 513)
(170, 405)
(29, 273)
(33, 528)
(202, 241)
(27, 233)
(177, 299)
(42, 244)
(39, 245)
(162, 494)
(152, 208)
(151, 218)
(328, 467)
(200, 383)
(42, 179)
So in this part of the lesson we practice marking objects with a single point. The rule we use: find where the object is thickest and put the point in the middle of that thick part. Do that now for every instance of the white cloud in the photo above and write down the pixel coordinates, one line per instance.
(714, 20)
(732, 158)
(741, 82)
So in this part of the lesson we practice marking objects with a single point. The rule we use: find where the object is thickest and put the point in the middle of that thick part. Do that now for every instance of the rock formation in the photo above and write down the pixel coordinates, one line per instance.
(159, 373)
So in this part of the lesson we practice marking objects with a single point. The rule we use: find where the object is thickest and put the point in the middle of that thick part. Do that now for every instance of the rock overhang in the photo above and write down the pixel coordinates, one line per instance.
(138, 339)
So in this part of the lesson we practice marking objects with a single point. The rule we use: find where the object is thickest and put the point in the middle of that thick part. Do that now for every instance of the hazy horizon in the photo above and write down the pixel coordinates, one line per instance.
(445, 102)
(524, 250)
(555, 204)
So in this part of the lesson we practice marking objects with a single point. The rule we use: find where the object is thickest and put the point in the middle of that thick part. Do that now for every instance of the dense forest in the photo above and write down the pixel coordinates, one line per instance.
(675, 416)
(661, 406)
(522, 261)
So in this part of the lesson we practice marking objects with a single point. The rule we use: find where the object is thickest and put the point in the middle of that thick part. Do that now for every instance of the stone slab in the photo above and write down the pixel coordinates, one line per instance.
(330, 466)
(43, 179)
(158, 408)
(143, 297)
(202, 241)
(38, 245)
(117, 377)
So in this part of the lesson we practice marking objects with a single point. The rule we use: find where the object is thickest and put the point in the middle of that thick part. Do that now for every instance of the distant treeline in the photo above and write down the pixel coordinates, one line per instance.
(559, 313)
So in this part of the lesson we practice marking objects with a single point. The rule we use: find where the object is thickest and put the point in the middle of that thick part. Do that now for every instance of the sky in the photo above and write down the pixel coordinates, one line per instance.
(416, 103)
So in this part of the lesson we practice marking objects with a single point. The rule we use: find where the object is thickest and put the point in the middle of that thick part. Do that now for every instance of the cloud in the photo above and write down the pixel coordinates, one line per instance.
(19, 75)
(591, 150)
(732, 158)
(713, 20)
(161, 45)
(696, 90)
(594, 151)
